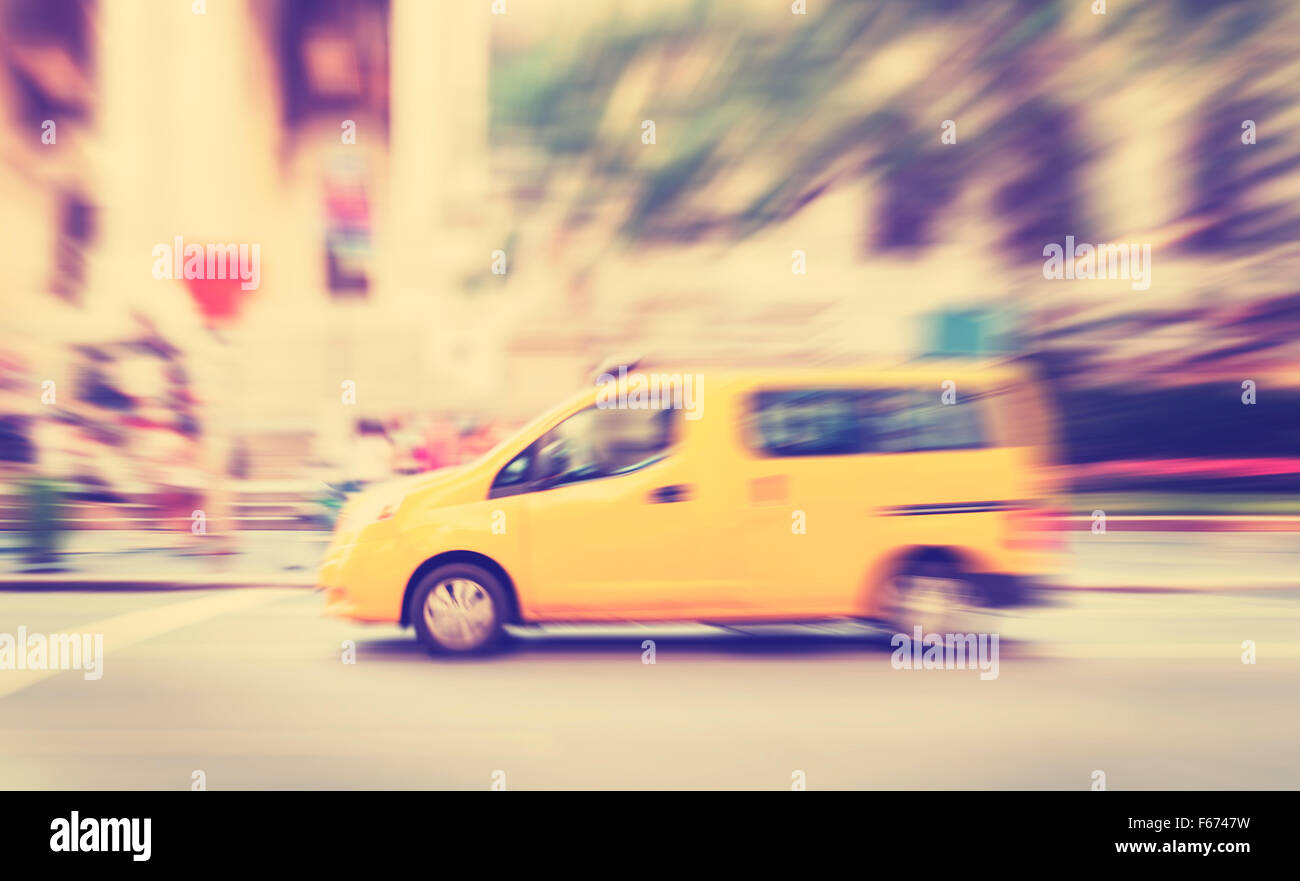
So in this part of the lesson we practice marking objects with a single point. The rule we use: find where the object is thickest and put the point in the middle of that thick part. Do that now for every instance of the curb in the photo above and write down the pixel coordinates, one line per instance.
(38, 580)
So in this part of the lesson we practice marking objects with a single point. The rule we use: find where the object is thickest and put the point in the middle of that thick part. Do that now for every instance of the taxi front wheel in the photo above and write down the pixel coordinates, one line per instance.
(458, 609)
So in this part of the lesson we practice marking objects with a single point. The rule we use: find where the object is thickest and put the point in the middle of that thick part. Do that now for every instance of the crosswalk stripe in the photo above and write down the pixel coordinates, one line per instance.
(129, 628)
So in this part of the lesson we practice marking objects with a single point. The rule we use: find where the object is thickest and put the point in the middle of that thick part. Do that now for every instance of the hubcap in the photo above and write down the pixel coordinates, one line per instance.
(459, 613)
(938, 604)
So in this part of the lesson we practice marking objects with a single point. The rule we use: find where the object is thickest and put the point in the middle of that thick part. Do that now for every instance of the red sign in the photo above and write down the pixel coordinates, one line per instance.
(218, 299)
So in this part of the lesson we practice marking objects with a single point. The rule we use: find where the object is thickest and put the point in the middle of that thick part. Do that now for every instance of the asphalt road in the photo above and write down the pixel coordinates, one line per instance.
(249, 687)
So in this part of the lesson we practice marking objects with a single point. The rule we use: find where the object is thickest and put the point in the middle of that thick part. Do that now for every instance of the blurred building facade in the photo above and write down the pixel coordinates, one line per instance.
(778, 133)
(797, 202)
(262, 123)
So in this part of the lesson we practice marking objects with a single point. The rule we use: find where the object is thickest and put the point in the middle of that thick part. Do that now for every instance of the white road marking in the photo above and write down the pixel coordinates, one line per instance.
(127, 629)
(470, 740)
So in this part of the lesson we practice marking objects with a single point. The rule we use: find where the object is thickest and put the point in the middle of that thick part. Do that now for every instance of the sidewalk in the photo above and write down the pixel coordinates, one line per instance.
(1180, 560)
(159, 560)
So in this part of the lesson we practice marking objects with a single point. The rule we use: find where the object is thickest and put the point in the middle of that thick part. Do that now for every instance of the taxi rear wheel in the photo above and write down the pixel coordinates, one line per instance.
(458, 608)
(938, 597)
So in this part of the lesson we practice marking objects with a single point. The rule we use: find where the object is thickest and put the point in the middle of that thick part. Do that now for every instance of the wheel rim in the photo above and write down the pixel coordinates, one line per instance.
(459, 613)
(938, 604)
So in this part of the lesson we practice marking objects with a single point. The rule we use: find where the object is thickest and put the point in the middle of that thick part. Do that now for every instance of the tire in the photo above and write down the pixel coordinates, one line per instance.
(459, 609)
(937, 596)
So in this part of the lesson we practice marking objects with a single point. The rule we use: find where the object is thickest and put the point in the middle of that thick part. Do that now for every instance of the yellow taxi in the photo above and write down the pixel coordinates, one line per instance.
(903, 496)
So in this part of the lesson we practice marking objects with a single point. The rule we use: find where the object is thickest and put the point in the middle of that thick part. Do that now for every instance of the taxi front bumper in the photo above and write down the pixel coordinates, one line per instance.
(361, 581)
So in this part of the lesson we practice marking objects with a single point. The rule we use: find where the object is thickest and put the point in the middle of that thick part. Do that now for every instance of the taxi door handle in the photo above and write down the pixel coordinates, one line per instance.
(677, 492)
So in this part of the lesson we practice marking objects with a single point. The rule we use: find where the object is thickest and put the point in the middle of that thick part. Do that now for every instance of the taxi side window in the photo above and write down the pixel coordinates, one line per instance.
(591, 444)
(603, 442)
(839, 422)
(517, 475)
(816, 422)
(958, 426)
(516, 471)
